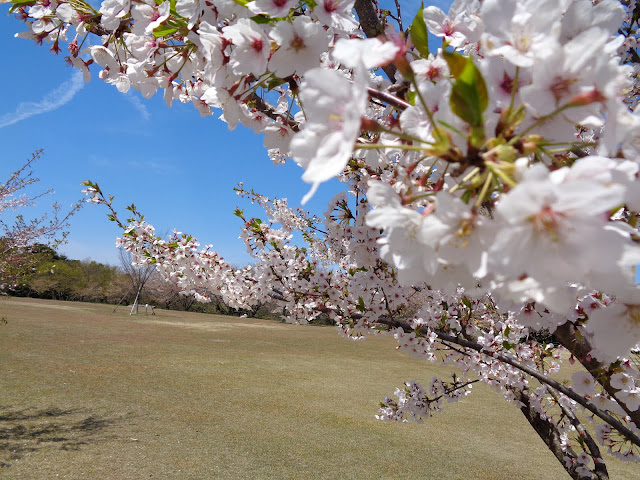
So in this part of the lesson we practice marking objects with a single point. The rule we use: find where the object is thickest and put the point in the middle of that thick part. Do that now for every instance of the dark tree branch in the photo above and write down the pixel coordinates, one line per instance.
(388, 98)
(269, 110)
(600, 468)
(372, 27)
(547, 431)
(579, 347)
(626, 432)
(399, 17)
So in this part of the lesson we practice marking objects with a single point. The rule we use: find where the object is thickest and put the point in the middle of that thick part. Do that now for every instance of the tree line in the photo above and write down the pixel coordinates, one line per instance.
(54, 276)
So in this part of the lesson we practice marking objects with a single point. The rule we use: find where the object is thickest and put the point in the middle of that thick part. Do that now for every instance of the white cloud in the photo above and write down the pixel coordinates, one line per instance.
(138, 105)
(100, 161)
(52, 101)
(155, 167)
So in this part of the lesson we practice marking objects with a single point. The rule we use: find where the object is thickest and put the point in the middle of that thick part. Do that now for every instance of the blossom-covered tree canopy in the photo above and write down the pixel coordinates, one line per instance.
(491, 183)
(22, 238)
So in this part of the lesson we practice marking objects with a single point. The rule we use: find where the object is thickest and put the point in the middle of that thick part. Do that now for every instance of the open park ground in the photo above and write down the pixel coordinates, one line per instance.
(90, 394)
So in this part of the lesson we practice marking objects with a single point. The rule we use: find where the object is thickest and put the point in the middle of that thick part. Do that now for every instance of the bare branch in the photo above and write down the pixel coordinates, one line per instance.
(547, 431)
(600, 467)
(580, 348)
(372, 27)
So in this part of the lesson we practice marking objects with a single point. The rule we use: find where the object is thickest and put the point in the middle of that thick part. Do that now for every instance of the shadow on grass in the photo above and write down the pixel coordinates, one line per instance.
(29, 430)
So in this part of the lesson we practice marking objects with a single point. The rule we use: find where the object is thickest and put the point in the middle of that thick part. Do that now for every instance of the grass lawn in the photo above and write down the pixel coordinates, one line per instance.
(85, 393)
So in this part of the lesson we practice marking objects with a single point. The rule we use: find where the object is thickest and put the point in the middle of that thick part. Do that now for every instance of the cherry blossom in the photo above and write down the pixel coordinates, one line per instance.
(251, 51)
(461, 26)
(301, 44)
(333, 106)
(20, 235)
(273, 8)
(491, 185)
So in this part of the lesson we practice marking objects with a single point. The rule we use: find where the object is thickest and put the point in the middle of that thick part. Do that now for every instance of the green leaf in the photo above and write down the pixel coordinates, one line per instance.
(20, 3)
(261, 19)
(418, 33)
(274, 82)
(163, 31)
(172, 6)
(469, 97)
(360, 305)
(410, 97)
(455, 61)
(243, 3)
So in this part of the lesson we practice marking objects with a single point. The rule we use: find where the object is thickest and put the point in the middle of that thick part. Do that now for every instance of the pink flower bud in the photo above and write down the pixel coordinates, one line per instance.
(587, 98)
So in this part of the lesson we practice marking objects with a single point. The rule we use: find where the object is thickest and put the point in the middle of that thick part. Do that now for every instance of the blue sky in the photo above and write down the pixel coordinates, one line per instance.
(178, 168)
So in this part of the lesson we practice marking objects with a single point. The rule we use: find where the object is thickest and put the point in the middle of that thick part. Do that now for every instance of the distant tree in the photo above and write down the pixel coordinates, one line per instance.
(58, 280)
(97, 280)
(167, 294)
(138, 276)
(24, 243)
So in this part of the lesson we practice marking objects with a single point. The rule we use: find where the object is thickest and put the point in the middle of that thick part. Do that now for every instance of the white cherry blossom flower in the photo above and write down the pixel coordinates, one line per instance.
(273, 8)
(401, 244)
(112, 11)
(613, 332)
(103, 57)
(149, 17)
(334, 107)
(459, 27)
(336, 13)
(568, 71)
(65, 12)
(368, 53)
(583, 383)
(82, 66)
(541, 227)
(301, 44)
(251, 47)
(521, 31)
(582, 15)
(212, 45)
(190, 9)
(432, 69)
(631, 398)
(621, 381)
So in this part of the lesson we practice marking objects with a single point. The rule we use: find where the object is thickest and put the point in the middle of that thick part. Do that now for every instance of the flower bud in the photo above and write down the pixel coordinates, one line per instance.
(370, 125)
(586, 98)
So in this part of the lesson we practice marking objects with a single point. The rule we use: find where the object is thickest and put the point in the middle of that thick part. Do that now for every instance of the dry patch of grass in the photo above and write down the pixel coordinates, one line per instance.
(85, 393)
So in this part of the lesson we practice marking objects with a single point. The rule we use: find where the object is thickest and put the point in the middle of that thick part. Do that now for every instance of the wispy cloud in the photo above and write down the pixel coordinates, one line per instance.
(51, 101)
(100, 161)
(155, 167)
(138, 105)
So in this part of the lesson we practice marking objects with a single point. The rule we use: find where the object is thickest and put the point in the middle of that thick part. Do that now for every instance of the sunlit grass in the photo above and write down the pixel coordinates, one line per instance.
(192, 396)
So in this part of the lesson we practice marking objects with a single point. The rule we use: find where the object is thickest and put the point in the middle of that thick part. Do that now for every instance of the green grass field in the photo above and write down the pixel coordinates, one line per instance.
(85, 393)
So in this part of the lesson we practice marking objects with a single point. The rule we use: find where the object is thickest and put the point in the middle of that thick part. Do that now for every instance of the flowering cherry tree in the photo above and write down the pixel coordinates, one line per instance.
(19, 235)
(491, 184)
